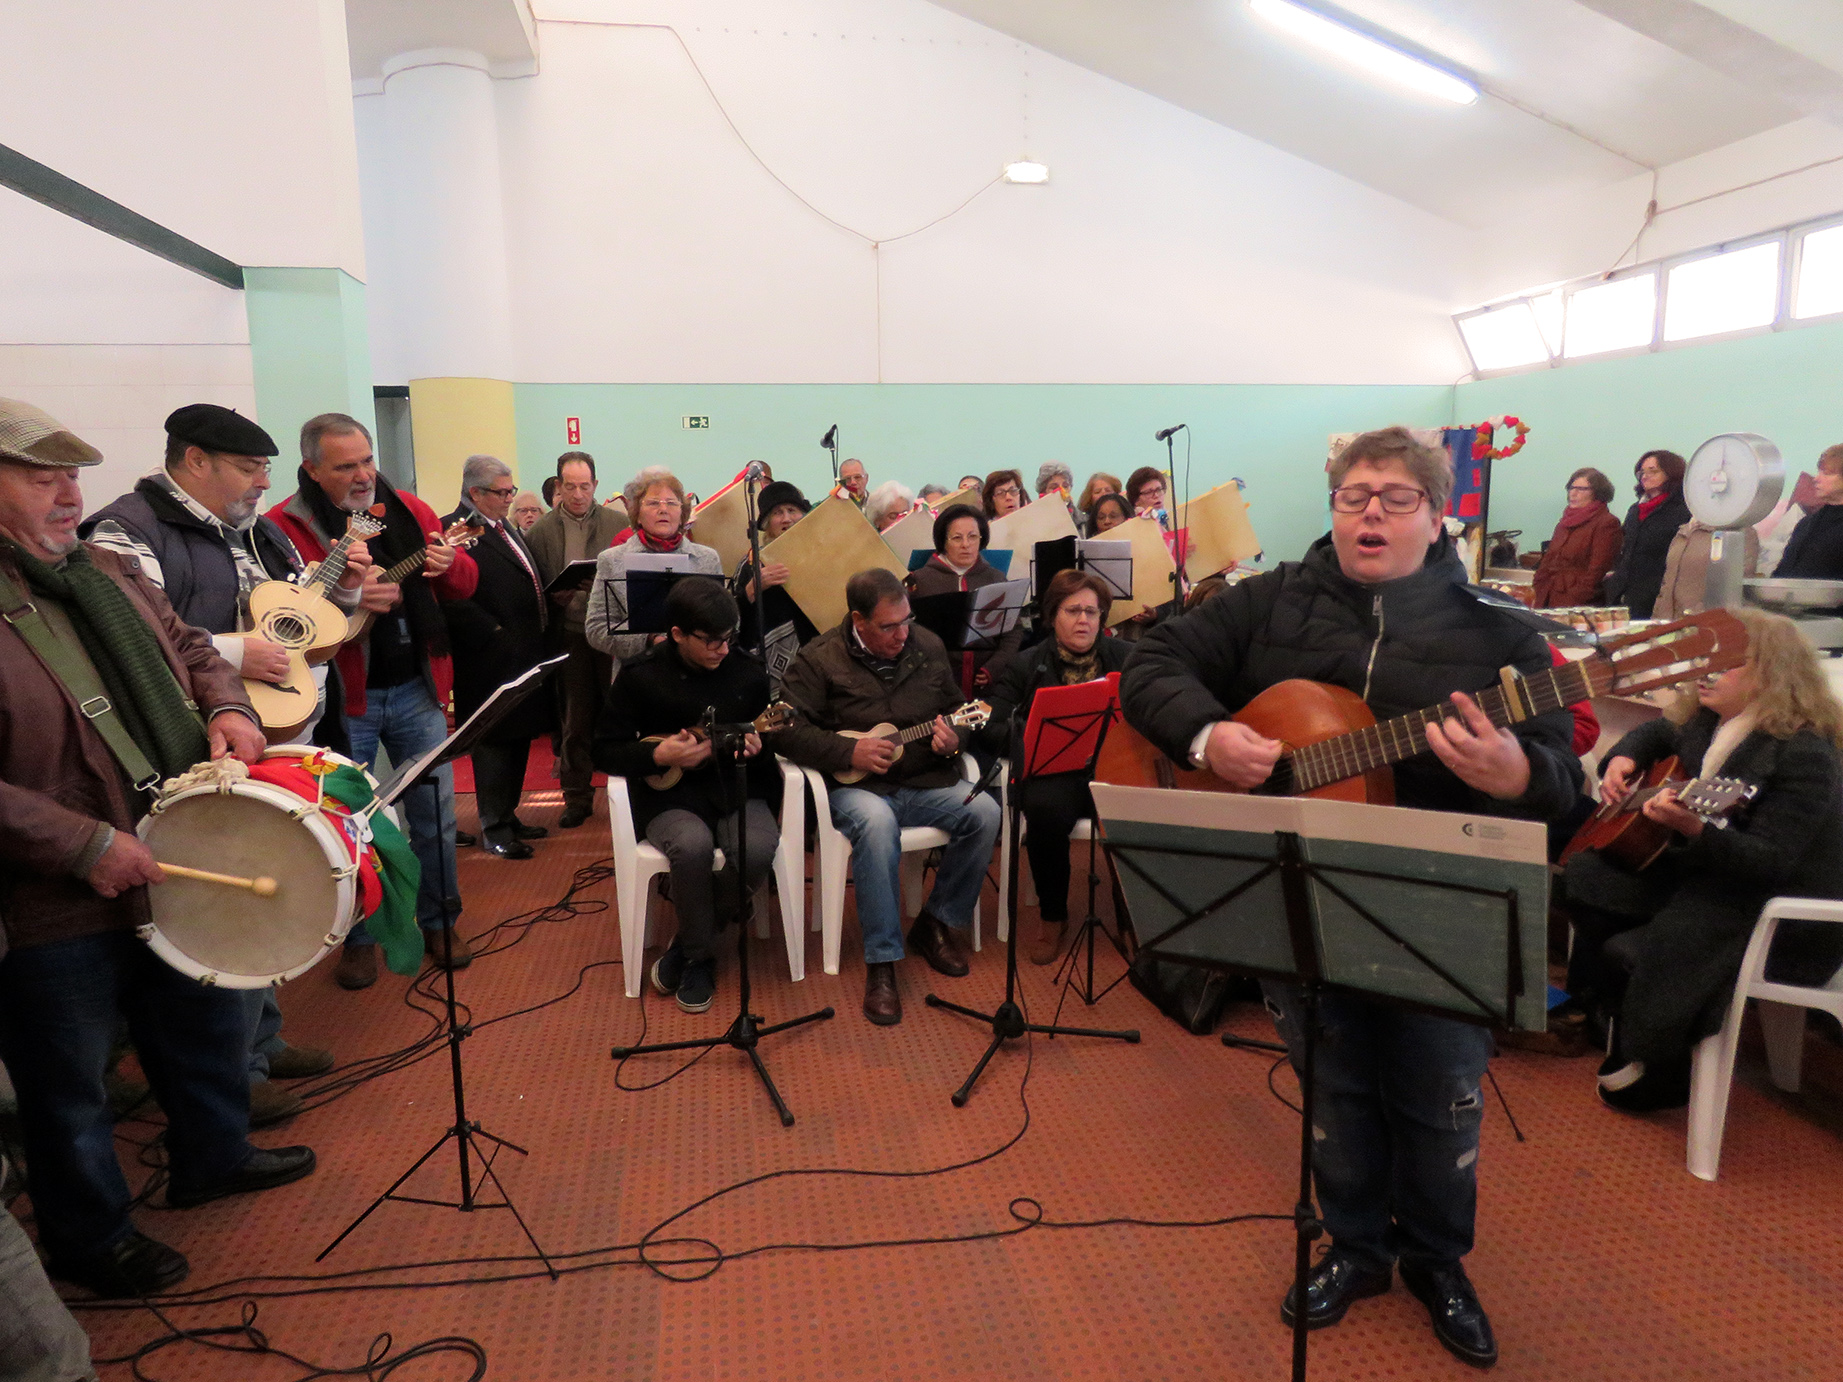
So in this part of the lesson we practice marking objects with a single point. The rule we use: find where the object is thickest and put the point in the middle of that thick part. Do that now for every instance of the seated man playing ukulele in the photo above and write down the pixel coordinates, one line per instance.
(1381, 608)
(876, 668)
(646, 729)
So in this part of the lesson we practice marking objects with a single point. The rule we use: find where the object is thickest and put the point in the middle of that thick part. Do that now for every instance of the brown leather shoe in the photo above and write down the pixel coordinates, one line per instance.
(299, 1062)
(882, 1004)
(357, 967)
(940, 945)
(434, 946)
(270, 1103)
(1050, 936)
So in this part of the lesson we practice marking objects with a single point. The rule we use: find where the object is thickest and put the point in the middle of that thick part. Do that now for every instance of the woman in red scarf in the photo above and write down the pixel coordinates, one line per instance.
(656, 500)
(1650, 524)
(1584, 547)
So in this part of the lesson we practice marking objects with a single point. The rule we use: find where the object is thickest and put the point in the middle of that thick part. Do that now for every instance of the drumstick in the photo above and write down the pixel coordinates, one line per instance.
(262, 887)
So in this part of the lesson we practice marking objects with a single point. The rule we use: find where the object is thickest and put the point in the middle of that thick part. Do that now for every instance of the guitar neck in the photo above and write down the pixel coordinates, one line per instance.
(1388, 742)
(334, 566)
(406, 568)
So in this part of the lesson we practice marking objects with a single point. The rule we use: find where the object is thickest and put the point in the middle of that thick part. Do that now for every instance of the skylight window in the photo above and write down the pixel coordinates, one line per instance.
(1369, 54)
(1619, 315)
(1504, 338)
(1820, 274)
(1723, 292)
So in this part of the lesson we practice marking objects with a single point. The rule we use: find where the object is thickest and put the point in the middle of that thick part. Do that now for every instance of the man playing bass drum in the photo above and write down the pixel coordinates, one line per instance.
(1379, 606)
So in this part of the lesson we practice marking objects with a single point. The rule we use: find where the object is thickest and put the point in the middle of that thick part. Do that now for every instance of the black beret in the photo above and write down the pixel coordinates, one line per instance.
(776, 493)
(213, 428)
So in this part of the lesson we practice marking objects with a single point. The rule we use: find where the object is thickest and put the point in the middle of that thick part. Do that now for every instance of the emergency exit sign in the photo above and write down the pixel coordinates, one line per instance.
(572, 430)
(697, 422)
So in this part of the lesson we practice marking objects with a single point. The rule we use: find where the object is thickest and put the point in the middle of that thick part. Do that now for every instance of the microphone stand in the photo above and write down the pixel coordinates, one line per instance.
(746, 1031)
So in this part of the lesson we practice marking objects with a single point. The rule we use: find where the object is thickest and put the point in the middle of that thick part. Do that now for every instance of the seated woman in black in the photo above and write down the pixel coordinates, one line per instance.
(1074, 612)
(1659, 951)
(779, 506)
(960, 536)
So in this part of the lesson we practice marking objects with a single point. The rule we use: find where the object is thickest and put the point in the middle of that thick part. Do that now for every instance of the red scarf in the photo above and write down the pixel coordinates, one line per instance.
(1573, 518)
(1647, 507)
(653, 544)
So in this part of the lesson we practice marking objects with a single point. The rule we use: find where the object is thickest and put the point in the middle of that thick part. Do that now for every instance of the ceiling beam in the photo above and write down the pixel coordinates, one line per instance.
(33, 179)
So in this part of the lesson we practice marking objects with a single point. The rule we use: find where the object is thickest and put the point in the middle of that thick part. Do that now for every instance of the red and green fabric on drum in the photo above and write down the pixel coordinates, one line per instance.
(388, 873)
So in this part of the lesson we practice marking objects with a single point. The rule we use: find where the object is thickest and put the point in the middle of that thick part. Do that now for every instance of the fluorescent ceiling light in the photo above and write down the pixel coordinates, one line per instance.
(1505, 338)
(1027, 171)
(1370, 54)
(1619, 315)
(1820, 274)
(1722, 292)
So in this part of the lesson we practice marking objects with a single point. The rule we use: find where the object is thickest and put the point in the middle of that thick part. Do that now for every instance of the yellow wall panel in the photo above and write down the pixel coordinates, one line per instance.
(452, 419)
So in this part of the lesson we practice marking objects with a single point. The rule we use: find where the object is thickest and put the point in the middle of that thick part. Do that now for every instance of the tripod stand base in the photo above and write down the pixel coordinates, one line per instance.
(1008, 1024)
(743, 1034)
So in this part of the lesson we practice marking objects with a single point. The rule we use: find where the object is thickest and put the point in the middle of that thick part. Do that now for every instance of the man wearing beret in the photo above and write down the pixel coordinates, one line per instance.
(103, 691)
(194, 528)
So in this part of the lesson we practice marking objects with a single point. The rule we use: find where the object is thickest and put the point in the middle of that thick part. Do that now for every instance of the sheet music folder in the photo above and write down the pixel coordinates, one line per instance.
(578, 575)
(1436, 910)
(972, 620)
(462, 741)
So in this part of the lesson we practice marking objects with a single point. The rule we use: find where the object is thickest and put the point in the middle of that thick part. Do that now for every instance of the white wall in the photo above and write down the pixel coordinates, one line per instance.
(647, 243)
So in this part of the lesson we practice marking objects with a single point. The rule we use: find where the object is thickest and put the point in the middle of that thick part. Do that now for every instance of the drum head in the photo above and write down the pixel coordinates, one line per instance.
(228, 933)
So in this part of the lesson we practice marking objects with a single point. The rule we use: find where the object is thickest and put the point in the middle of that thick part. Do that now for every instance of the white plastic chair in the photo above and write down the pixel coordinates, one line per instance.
(834, 864)
(637, 864)
(1782, 1023)
(1084, 829)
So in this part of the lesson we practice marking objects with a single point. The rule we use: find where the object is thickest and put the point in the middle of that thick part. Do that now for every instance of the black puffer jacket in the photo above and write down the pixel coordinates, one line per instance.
(1402, 646)
(1644, 551)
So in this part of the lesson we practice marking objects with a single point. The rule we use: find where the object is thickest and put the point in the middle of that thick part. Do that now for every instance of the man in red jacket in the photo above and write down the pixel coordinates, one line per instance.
(398, 676)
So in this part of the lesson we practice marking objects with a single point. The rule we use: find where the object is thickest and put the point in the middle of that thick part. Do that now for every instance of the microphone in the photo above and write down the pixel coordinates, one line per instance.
(1164, 435)
(830, 439)
(754, 471)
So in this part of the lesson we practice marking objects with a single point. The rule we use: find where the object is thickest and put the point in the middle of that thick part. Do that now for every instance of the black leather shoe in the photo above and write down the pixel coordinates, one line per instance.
(464, 840)
(882, 1004)
(521, 831)
(507, 849)
(573, 816)
(265, 1169)
(1332, 1285)
(938, 945)
(1459, 1321)
(136, 1266)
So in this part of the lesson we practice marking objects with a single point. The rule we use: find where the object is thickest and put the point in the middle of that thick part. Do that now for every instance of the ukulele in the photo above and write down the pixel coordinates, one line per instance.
(972, 715)
(776, 717)
(1625, 835)
(461, 534)
(1335, 749)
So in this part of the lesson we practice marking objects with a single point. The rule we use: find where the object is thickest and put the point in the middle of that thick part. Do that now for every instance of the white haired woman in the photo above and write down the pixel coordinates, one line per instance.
(889, 503)
(656, 502)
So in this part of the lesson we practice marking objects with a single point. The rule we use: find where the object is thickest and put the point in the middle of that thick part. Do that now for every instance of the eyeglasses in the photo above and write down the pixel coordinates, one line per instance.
(661, 505)
(895, 627)
(714, 641)
(503, 493)
(1580, 489)
(1396, 499)
(1007, 492)
(250, 468)
(1081, 611)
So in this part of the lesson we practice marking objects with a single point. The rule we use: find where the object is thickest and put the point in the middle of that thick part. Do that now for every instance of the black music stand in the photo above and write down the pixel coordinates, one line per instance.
(1058, 739)
(1425, 909)
(420, 772)
(746, 1031)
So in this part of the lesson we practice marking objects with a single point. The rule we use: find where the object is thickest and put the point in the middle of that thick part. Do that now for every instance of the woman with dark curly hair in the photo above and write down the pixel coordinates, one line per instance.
(1650, 524)
(960, 536)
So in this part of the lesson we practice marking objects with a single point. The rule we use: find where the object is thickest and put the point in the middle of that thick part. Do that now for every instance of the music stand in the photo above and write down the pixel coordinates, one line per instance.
(1431, 910)
(746, 1031)
(420, 772)
(1058, 739)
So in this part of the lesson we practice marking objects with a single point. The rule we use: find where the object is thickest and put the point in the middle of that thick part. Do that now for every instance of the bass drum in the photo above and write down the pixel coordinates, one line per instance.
(228, 936)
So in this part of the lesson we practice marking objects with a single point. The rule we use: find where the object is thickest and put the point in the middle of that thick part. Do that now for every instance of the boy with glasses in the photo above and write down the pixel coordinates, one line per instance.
(649, 724)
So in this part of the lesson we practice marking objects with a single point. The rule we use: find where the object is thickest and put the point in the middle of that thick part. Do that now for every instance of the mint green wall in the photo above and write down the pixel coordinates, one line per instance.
(309, 350)
(1784, 385)
(1272, 436)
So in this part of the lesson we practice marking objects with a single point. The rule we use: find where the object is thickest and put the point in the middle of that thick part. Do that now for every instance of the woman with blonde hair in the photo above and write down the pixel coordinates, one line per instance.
(657, 503)
(1657, 953)
(1098, 484)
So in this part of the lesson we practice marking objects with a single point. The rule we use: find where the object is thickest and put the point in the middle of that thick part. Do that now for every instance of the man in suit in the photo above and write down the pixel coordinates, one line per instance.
(497, 633)
(578, 529)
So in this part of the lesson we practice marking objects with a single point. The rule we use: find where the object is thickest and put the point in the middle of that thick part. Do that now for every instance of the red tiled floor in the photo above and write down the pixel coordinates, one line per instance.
(1599, 1255)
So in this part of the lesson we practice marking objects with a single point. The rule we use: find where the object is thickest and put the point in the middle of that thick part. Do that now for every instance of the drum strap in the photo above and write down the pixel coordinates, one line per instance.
(79, 677)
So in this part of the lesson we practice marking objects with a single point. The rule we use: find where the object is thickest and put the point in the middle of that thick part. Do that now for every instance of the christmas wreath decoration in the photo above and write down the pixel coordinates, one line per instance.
(1483, 450)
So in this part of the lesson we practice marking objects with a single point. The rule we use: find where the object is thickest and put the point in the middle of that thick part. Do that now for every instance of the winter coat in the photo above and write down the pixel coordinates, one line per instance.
(1815, 549)
(1684, 589)
(1643, 549)
(498, 631)
(1032, 670)
(1574, 566)
(606, 615)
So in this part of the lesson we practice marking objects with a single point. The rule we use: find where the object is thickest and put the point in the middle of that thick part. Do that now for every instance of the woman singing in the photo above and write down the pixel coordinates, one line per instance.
(960, 535)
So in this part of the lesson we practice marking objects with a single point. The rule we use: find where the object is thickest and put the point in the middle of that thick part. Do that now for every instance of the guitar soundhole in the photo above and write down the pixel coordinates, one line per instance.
(289, 630)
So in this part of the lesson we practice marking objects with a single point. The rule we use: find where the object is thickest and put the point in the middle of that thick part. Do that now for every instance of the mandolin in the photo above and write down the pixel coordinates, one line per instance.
(1625, 835)
(776, 717)
(972, 715)
(460, 534)
(1336, 749)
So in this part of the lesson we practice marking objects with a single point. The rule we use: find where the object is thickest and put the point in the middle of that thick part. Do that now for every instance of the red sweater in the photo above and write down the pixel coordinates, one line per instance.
(456, 583)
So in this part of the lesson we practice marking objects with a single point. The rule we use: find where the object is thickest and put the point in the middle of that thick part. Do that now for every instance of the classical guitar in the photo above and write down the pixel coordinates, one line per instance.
(1336, 749)
(460, 535)
(1625, 835)
(776, 717)
(972, 715)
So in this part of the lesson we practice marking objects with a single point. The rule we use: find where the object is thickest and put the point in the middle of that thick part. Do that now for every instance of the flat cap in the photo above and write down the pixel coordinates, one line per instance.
(213, 428)
(31, 436)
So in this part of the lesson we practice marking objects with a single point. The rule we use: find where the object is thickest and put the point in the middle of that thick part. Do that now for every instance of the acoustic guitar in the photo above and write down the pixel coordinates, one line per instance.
(461, 534)
(972, 715)
(776, 717)
(1335, 749)
(1625, 835)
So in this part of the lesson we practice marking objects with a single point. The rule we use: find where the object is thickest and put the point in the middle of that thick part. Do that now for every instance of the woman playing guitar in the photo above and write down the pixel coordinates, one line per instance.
(1381, 609)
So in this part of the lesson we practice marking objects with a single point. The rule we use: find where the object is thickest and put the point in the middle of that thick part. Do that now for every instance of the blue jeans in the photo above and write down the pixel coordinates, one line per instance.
(874, 826)
(58, 1007)
(406, 720)
(1397, 1109)
(262, 1024)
